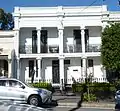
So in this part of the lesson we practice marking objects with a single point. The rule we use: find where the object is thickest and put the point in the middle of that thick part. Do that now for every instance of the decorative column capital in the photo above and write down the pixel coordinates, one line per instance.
(9, 60)
(82, 27)
(60, 28)
(61, 57)
(38, 28)
(39, 58)
(83, 56)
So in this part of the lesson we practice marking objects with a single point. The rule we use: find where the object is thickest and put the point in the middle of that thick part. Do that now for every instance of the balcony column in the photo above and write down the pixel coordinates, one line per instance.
(60, 35)
(16, 30)
(38, 40)
(18, 68)
(9, 67)
(61, 68)
(83, 38)
(84, 68)
(16, 42)
(39, 59)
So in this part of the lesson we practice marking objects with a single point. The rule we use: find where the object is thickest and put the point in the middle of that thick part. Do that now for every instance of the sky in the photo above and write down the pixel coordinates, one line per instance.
(8, 5)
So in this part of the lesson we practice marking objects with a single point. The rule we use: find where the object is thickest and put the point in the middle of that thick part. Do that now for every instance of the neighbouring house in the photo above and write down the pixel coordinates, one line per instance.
(6, 53)
(59, 43)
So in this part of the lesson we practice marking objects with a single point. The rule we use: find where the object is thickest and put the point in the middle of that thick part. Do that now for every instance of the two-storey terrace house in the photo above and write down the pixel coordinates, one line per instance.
(6, 53)
(60, 43)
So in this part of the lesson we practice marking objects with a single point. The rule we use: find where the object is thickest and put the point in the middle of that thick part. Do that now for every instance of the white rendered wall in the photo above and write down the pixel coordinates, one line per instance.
(98, 70)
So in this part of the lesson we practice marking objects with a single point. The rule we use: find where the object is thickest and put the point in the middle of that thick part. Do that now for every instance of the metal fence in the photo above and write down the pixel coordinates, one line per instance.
(70, 81)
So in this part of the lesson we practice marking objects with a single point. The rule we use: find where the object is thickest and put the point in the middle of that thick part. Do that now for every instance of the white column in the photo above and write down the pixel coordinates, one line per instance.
(84, 68)
(38, 40)
(18, 68)
(60, 35)
(9, 68)
(61, 68)
(16, 29)
(83, 39)
(16, 42)
(39, 68)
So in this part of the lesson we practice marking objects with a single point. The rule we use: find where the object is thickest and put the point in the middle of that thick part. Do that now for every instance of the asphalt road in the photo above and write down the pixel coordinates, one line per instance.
(8, 106)
(80, 109)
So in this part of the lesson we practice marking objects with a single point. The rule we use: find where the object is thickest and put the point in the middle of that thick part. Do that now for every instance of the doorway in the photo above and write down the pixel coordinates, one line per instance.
(3, 68)
(55, 72)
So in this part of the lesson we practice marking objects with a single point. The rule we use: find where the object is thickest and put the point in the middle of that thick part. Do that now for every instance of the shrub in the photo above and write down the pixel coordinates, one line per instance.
(89, 97)
(96, 90)
(43, 85)
(93, 87)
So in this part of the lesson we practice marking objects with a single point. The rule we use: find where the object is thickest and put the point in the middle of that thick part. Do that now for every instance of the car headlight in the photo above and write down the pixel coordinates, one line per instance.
(44, 92)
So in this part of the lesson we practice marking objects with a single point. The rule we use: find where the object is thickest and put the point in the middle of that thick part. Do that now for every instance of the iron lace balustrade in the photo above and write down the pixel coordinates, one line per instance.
(73, 48)
(92, 48)
(49, 49)
(25, 49)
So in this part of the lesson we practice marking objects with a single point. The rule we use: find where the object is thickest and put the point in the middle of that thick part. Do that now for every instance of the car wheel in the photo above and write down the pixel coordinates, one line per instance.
(35, 100)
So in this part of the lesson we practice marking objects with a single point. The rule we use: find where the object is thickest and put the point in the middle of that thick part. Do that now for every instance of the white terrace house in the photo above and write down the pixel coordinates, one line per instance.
(59, 43)
(6, 53)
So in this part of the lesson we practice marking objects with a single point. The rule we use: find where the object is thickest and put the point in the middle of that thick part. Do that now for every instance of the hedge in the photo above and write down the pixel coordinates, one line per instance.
(44, 85)
(82, 87)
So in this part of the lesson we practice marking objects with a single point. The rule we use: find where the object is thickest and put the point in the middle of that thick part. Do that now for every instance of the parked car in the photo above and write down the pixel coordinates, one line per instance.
(15, 90)
(117, 99)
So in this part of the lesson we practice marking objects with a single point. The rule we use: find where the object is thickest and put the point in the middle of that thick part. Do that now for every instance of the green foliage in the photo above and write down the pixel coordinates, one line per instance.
(43, 85)
(96, 90)
(110, 49)
(90, 97)
(78, 87)
(6, 20)
(93, 87)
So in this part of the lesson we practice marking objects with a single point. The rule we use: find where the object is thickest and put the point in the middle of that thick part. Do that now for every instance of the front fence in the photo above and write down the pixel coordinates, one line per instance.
(71, 80)
(94, 89)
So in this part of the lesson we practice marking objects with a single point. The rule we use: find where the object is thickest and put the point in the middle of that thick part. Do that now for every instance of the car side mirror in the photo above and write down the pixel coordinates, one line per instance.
(23, 87)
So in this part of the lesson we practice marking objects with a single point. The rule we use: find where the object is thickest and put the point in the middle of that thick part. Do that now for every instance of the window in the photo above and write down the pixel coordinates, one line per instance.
(77, 36)
(31, 67)
(66, 61)
(86, 36)
(34, 41)
(13, 83)
(81, 63)
(2, 82)
(90, 63)
(44, 35)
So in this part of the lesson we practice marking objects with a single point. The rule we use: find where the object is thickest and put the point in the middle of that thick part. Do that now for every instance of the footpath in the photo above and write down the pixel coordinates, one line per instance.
(75, 102)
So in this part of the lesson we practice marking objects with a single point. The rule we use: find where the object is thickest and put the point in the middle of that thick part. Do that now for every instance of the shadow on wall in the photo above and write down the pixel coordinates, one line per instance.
(13, 64)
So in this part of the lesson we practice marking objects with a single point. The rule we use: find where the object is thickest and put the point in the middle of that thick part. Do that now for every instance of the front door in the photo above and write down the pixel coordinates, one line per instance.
(55, 72)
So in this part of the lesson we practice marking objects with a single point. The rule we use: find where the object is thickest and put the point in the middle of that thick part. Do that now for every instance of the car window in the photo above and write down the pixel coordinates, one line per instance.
(13, 83)
(2, 82)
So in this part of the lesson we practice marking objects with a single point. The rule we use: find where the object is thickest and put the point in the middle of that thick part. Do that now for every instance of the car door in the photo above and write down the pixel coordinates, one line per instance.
(16, 92)
(3, 90)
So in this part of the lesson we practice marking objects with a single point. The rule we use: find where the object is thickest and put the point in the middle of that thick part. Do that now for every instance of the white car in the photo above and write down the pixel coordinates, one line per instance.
(15, 90)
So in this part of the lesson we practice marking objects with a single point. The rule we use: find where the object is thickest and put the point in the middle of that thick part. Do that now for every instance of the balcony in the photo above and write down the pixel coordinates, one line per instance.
(27, 49)
(73, 48)
(92, 48)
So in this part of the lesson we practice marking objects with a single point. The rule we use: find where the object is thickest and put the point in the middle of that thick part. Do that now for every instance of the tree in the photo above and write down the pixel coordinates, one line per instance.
(110, 50)
(6, 20)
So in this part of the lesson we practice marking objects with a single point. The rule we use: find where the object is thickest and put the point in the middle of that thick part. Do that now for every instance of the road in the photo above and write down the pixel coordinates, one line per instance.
(80, 109)
(8, 106)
